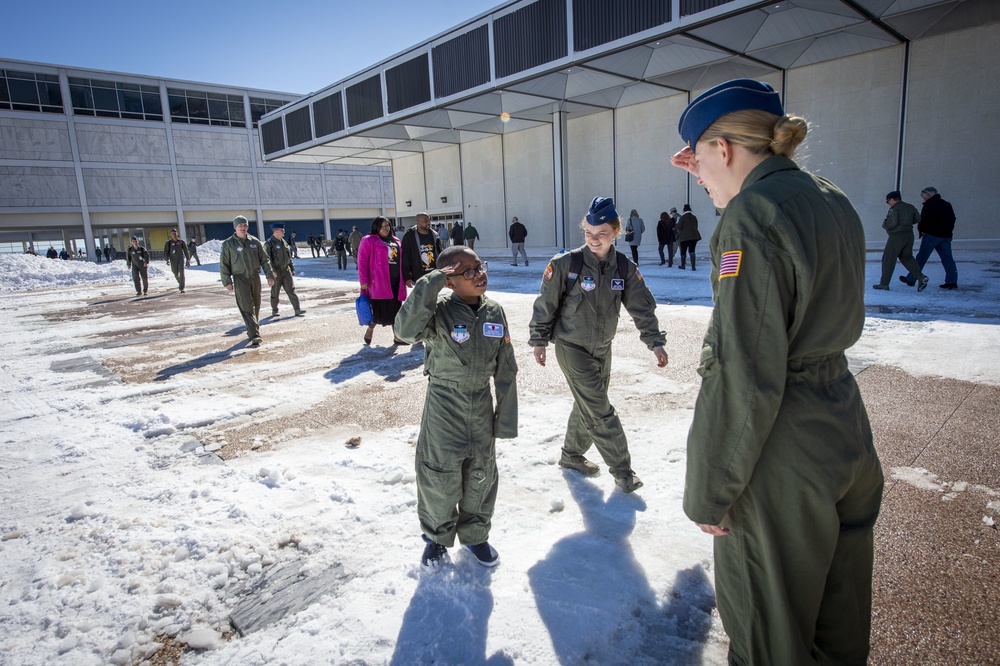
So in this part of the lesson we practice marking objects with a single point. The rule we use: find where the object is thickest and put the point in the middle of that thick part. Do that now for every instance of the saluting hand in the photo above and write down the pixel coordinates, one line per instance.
(684, 159)
(450, 270)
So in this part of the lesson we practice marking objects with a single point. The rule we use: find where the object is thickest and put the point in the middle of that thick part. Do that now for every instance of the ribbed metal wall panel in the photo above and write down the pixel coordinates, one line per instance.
(529, 37)
(364, 101)
(328, 115)
(597, 22)
(689, 7)
(273, 136)
(462, 63)
(408, 84)
(298, 127)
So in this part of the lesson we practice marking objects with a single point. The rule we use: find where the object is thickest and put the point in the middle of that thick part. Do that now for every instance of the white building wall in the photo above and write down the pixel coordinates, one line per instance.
(408, 185)
(24, 138)
(528, 174)
(117, 141)
(482, 179)
(443, 179)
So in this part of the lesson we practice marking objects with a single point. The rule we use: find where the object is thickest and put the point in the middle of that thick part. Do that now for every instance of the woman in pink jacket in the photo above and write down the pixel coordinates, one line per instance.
(378, 272)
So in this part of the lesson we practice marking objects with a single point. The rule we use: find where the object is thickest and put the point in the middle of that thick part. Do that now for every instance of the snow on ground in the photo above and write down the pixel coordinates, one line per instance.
(120, 527)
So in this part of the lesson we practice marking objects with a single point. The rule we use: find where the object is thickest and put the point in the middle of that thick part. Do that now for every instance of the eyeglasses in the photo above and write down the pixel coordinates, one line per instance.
(473, 273)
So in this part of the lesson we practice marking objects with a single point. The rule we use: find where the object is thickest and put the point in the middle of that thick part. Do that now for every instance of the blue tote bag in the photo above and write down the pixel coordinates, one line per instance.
(364, 310)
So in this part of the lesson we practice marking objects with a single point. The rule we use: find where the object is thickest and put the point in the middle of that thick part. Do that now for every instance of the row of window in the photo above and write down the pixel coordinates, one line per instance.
(27, 91)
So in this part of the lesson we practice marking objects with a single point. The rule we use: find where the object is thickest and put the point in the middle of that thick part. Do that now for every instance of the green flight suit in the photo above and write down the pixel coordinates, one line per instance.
(899, 223)
(456, 457)
(177, 254)
(279, 252)
(780, 449)
(240, 263)
(582, 321)
(137, 258)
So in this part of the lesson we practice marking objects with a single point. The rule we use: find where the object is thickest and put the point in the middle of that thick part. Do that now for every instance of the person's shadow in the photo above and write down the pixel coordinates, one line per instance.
(448, 617)
(383, 361)
(598, 605)
(202, 361)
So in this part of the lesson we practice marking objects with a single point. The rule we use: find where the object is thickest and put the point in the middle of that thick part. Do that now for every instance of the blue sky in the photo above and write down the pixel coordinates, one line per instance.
(296, 46)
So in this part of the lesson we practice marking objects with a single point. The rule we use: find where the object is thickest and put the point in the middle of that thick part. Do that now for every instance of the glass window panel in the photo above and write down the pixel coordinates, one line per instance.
(107, 114)
(197, 107)
(218, 109)
(50, 94)
(150, 89)
(136, 116)
(217, 97)
(22, 92)
(151, 103)
(154, 116)
(94, 83)
(48, 78)
(106, 100)
(130, 102)
(175, 91)
(128, 86)
(236, 112)
(178, 106)
(14, 74)
(76, 81)
(199, 121)
(82, 97)
(4, 95)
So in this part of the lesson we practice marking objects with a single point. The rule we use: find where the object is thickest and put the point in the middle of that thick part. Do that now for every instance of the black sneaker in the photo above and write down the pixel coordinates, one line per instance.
(255, 342)
(300, 313)
(434, 553)
(902, 278)
(138, 293)
(485, 554)
(275, 313)
(629, 482)
(923, 284)
(949, 285)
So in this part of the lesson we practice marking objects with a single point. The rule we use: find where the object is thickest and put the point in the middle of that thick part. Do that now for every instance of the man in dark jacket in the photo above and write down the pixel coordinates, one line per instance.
(420, 248)
(457, 234)
(517, 234)
(665, 236)
(937, 224)
(687, 235)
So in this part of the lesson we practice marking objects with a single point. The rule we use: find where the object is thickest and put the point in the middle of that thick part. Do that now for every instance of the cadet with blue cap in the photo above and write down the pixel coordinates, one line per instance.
(781, 466)
(280, 253)
(577, 308)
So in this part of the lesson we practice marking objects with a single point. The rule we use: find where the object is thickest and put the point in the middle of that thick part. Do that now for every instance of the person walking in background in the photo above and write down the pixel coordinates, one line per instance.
(51, 253)
(443, 237)
(665, 237)
(193, 251)
(340, 249)
(634, 229)
(279, 253)
(781, 464)
(321, 246)
(937, 226)
(380, 275)
(687, 235)
(137, 259)
(107, 252)
(471, 236)
(577, 308)
(293, 245)
(517, 233)
(467, 343)
(457, 234)
(898, 224)
(241, 260)
(176, 252)
(420, 248)
(311, 242)
(355, 242)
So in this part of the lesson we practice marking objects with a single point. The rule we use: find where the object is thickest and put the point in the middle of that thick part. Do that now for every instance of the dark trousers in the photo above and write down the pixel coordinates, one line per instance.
(284, 281)
(669, 259)
(140, 275)
(635, 253)
(247, 291)
(687, 247)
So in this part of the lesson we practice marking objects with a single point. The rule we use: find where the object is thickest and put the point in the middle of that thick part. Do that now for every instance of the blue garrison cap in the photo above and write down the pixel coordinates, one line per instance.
(601, 211)
(278, 225)
(735, 95)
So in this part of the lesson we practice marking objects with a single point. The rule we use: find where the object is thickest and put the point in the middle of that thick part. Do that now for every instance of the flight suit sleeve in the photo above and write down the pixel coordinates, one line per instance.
(641, 306)
(166, 252)
(225, 265)
(187, 252)
(128, 259)
(891, 220)
(546, 308)
(265, 261)
(505, 383)
(743, 368)
(417, 313)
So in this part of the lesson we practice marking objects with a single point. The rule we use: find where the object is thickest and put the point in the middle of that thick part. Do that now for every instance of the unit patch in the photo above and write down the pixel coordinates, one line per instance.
(493, 330)
(588, 284)
(617, 284)
(460, 333)
(729, 265)
(547, 275)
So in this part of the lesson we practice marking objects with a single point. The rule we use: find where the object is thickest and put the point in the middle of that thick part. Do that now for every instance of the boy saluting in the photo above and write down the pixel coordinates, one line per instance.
(466, 341)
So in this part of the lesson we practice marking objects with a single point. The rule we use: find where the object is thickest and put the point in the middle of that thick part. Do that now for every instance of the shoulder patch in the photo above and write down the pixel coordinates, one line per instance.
(730, 263)
(547, 275)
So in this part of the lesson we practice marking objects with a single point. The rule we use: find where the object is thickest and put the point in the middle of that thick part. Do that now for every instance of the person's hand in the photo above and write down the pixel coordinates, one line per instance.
(270, 282)
(714, 530)
(364, 289)
(661, 356)
(684, 159)
(229, 287)
(450, 270)
(540, 356)
(188, 264)
(409, 284)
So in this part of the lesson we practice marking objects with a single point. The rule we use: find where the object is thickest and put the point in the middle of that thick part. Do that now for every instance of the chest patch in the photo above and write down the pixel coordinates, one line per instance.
(493, 330)
(588, 284)
(239, 248)
(460, 333)
(617, 284)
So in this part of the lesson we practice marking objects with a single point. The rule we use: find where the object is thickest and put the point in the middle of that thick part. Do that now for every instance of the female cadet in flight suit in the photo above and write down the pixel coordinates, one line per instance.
(780, 461)
(580, 313)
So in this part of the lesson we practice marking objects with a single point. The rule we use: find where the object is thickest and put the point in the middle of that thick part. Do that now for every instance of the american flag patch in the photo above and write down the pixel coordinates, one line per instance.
(729, 266)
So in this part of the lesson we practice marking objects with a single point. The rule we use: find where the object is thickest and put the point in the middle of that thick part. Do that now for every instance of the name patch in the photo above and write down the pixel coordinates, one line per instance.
(493, 330)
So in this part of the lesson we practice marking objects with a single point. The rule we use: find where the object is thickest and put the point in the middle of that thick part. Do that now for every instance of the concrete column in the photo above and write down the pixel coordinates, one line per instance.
(560, 175)
(88, 231)
(178, 204)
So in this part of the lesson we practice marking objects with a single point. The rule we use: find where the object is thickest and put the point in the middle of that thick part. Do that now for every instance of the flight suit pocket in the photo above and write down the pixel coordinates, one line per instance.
(709, 364)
